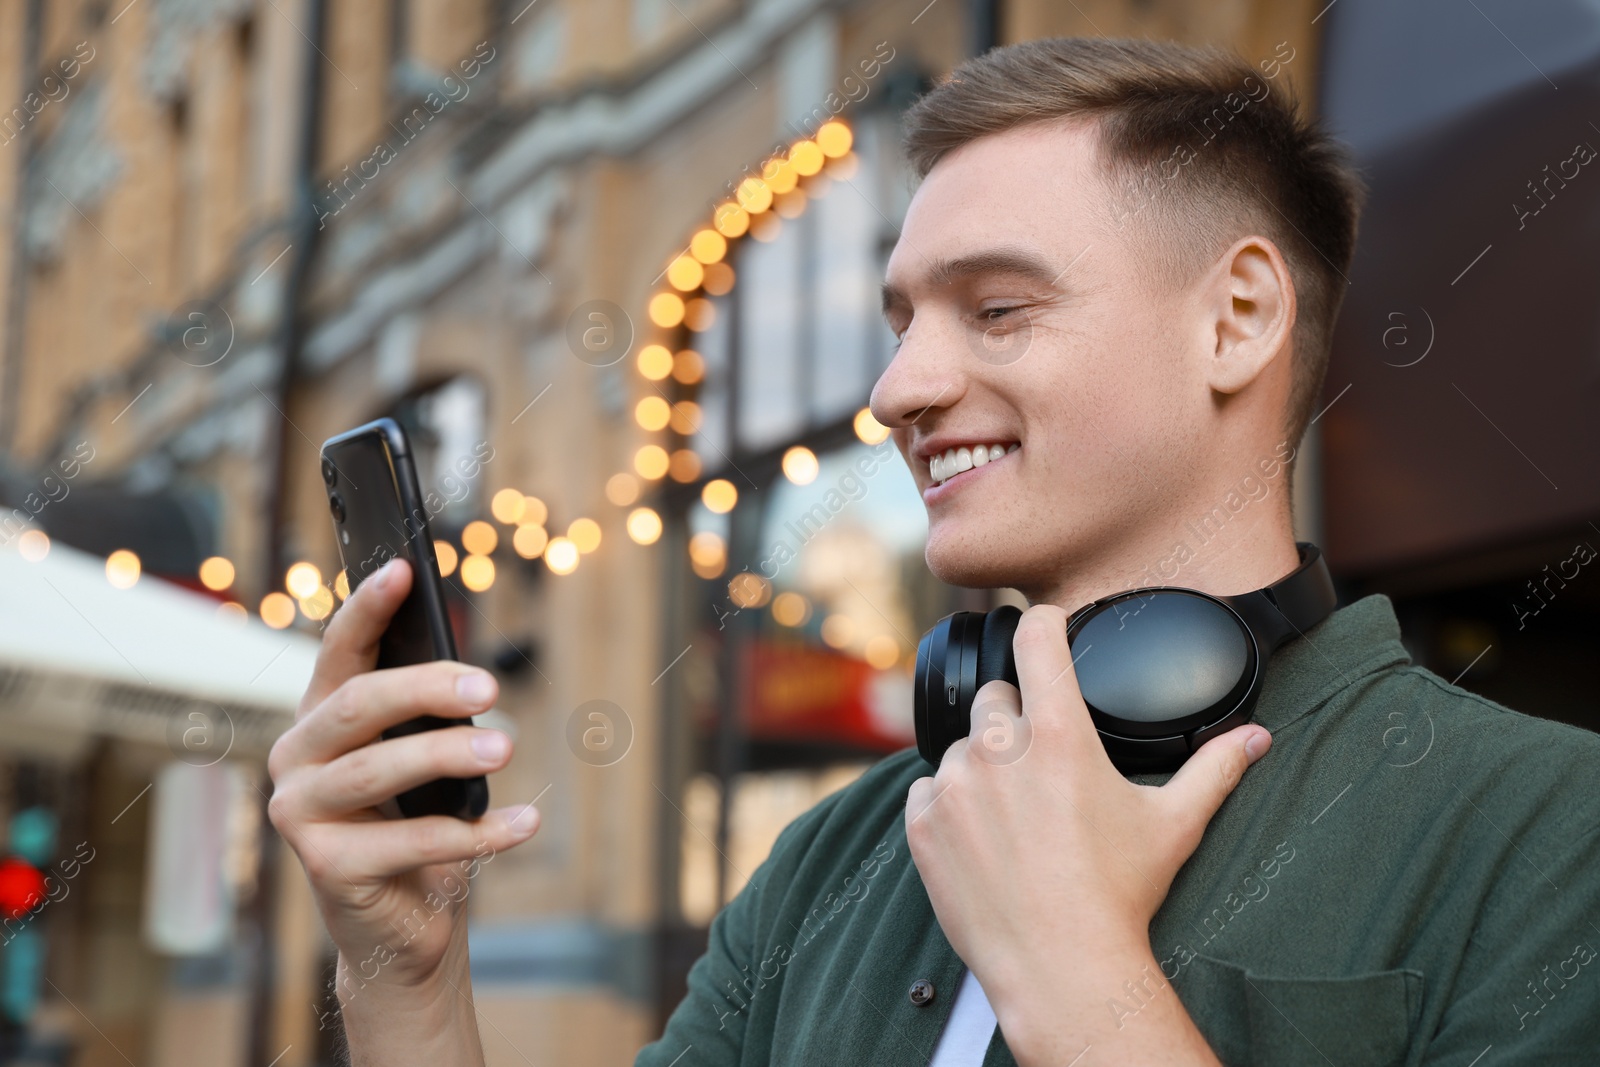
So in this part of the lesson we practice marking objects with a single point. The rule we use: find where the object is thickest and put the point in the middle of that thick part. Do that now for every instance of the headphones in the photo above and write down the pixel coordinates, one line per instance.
(1162, 669)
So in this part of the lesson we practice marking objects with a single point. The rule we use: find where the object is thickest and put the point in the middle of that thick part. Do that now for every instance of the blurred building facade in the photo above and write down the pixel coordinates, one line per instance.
(626, 249)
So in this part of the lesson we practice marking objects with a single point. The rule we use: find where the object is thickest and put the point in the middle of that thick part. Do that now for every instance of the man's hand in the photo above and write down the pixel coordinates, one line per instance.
(392, 891)
(1045, 866)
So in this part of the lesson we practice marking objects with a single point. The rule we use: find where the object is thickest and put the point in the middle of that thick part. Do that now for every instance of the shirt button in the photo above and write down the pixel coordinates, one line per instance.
(922, 992)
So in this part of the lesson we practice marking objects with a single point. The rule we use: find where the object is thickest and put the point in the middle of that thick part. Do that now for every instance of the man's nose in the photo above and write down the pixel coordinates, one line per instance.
(925, 375)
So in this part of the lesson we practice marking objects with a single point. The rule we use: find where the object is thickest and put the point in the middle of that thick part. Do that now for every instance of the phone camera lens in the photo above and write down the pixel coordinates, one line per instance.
(336, 505)
(329, 473)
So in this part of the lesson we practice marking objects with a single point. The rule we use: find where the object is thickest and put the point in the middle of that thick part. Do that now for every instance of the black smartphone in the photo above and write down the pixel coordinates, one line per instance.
(378, 514)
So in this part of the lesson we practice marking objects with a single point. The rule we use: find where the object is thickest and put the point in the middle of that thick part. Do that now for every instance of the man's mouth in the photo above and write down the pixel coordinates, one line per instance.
(954, 461)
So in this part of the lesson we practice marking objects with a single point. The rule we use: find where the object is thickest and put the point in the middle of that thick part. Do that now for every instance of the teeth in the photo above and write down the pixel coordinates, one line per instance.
(954, 461)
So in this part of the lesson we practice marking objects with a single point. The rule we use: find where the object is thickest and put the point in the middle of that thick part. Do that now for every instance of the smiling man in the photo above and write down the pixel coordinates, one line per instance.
(1114, 296)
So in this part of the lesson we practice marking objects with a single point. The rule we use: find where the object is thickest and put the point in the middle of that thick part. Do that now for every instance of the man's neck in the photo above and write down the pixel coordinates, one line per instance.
(1239, 555)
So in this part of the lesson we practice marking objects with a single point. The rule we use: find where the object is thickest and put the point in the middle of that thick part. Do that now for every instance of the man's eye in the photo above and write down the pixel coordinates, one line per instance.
(995, 314)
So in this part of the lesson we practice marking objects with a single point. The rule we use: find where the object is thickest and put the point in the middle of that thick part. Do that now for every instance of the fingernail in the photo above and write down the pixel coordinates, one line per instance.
(525, 820)
(475, 689)
(384, 576)
(1257, 746)
(490, 746)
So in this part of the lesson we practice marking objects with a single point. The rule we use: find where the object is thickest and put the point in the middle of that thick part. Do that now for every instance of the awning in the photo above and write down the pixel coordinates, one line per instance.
(80, 658)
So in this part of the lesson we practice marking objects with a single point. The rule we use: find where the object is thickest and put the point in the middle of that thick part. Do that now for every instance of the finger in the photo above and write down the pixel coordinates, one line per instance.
(385, 848)
(1048, 683)
(1001, 731)
(350, 644)
(918, 798)
(367, 704)
(372, 774)
(1212, 773)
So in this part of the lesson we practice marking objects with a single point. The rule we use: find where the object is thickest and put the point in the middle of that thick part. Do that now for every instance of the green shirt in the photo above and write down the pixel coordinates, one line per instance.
(1411, 875)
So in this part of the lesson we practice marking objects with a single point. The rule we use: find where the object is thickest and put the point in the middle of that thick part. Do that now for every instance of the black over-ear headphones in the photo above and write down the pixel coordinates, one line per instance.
(1162, 669)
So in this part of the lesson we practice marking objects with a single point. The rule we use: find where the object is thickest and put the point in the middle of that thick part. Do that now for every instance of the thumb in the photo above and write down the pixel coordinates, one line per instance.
(1212, 773)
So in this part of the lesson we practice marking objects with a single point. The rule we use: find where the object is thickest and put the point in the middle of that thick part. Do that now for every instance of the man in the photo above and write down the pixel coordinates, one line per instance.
(1119, 276)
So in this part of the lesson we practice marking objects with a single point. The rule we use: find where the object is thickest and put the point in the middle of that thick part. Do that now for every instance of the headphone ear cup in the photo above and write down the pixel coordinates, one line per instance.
(995, 657)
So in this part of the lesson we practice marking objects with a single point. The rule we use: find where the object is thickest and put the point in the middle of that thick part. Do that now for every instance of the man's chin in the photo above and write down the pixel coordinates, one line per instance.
(967, 568)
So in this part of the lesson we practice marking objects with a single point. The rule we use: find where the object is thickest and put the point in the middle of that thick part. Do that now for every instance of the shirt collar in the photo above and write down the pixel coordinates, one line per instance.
(1352, 642)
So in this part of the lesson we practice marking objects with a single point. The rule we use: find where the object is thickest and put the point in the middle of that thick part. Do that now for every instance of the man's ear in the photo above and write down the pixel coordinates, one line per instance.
(1255, 312)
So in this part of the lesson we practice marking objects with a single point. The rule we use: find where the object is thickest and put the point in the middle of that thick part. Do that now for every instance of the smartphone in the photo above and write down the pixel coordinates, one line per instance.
(378, 514)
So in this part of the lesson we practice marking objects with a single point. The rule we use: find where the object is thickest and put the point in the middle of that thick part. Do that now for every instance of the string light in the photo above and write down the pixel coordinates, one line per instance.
(699, 314)
(622, 489)
(708, 246)
(302, 580)
(708, 555)
(731, 220)
(685, 273)
(508, 506)
(806, 158)
(800, 465)
(445, 553)
(790, 609)
(317, 606)
(688, 366)
(655, 362)
(561, 555)
(585, 533)
(719, 495)
(869, 429)
(34, 545)
(652, 413)
(834, 139)
(216, 573)
(479, 538)
(277, 610)
(534, 511)
(684, 466)
(666, 309)
(530, 540)
(477, 572)
(644, 526)
(122, 568)
(651, 462)
(685, 417)
(341, 585)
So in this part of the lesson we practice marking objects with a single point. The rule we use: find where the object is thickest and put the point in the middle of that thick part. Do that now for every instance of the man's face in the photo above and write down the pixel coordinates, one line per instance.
(1034, 326)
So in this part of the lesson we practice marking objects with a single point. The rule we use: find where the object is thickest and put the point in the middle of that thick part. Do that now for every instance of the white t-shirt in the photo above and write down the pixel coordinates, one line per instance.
(969, 1029)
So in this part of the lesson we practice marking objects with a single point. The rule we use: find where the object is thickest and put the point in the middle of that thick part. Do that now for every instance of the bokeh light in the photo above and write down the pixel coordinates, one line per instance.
(302, 580)
(34, 545)
(719, 495)
(800, 465)
(708, 554)
(651, 462)
(666, 309)
(869, 429)
(277, 610)
(655, 362)
(652, 413)
(446, 554)
(622, 489)
(216, 573)
(479, 538)
(477, 572)
(790, 609)
(834, 139)
(561, 555)
(708, 246)
(122, 568)
(644, 526)
(585, 533)
(685, 273)
(530, 540)
(508, 505)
